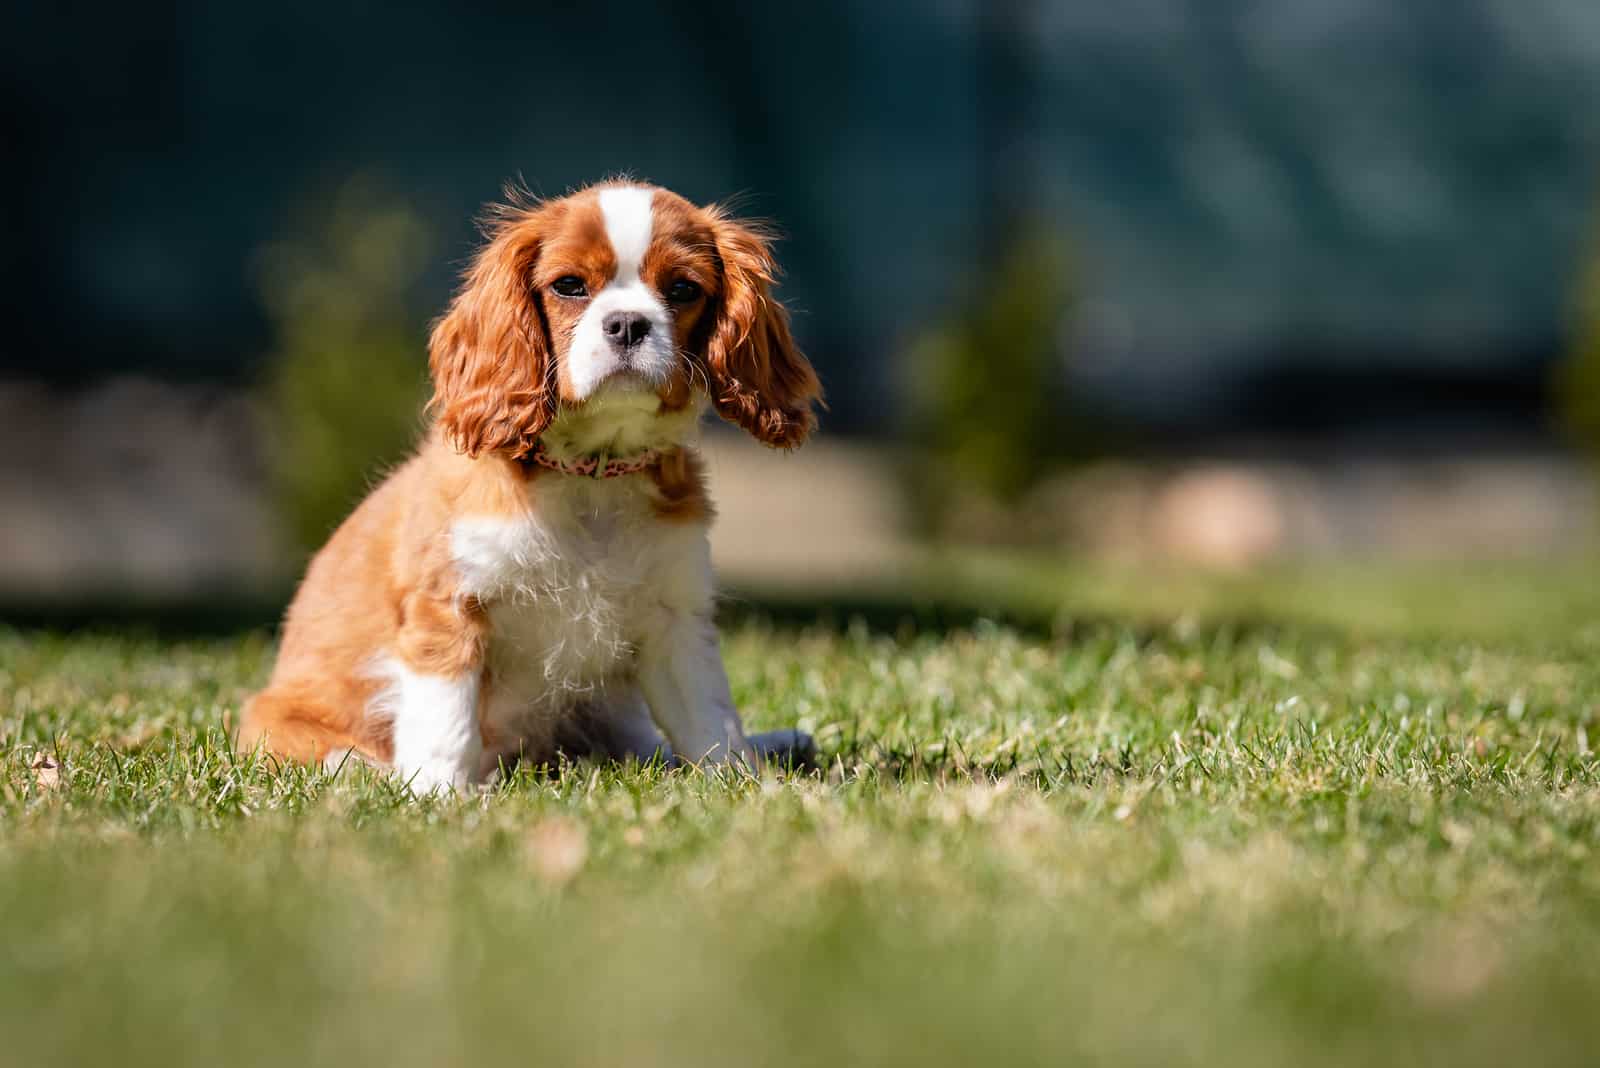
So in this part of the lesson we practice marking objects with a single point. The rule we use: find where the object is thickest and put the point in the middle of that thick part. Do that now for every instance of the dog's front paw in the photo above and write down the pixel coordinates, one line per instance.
(441, 780)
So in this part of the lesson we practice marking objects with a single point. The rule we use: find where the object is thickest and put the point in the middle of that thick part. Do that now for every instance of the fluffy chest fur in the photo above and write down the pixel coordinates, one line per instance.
(572, 587)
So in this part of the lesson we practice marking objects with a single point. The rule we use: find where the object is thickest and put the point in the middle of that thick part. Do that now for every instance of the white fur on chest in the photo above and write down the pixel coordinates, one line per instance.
(574, 586)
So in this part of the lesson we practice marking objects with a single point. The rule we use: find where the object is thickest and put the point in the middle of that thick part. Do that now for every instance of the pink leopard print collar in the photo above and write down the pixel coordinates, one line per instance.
(597, 466)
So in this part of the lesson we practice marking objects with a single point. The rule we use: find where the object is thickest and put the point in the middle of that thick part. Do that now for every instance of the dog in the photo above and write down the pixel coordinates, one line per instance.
(536, 579)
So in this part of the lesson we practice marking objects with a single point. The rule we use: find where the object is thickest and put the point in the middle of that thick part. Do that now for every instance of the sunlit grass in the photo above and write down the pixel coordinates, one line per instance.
(1329, 818)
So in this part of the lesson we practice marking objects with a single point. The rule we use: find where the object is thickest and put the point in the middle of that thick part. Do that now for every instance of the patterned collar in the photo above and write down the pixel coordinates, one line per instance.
(597, 466)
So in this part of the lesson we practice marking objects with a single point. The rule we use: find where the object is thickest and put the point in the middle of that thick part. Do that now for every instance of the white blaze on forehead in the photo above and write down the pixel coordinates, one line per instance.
(627, 214)
(594, 357)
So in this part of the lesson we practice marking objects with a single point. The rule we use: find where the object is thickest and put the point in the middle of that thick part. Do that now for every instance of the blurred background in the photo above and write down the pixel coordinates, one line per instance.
(1205, 282)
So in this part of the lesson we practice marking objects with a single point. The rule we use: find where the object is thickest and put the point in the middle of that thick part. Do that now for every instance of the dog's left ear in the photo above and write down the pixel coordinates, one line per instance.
(759, 378)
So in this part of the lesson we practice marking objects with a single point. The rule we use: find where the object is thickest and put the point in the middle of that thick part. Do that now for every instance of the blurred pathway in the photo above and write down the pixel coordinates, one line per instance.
(157, 491)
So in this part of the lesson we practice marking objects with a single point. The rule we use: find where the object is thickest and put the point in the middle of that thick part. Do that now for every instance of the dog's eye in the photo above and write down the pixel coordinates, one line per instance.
(683, 291)
(570, 285)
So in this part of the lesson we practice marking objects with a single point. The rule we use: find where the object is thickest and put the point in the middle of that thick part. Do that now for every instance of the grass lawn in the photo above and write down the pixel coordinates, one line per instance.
(1339, 817)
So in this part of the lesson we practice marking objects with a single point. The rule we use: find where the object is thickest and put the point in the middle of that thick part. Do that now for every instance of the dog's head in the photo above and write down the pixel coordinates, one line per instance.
(618, 287)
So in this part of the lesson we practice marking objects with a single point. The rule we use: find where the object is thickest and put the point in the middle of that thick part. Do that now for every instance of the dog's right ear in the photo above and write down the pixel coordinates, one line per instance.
(494, 383)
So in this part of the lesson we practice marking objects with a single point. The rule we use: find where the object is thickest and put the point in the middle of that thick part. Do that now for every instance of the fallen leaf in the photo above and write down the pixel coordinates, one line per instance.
(46, 772)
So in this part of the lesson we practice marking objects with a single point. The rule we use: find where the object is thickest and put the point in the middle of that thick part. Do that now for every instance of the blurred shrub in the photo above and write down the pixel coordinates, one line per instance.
(990, 418)
(1577, 383)
(348, 378)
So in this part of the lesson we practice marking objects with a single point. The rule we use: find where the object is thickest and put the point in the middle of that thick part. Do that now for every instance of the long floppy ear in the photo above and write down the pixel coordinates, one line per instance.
(759, 379)
(493, 376)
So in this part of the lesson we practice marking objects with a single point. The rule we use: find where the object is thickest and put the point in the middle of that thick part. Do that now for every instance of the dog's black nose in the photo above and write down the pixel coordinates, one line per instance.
(625, 329)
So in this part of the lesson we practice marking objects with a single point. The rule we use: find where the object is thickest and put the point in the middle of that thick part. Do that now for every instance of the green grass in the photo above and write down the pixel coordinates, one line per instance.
(1340, 817)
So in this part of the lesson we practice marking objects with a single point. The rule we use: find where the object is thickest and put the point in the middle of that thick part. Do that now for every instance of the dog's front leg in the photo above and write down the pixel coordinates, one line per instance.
(432, 694)
(437, 743)
(686, 686)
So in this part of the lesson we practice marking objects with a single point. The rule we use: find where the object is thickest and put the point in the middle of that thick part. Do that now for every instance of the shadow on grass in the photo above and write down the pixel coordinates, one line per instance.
(905, 614)
(898, 613)
(216, 614)
(886, 612)
(200, 615)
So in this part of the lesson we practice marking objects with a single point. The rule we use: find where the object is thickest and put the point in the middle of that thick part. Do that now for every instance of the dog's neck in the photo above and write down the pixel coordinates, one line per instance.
(622, 424)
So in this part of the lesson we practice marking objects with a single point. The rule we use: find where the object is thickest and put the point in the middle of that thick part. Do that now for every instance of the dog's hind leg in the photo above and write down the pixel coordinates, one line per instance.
(615, 726)
(305, 730)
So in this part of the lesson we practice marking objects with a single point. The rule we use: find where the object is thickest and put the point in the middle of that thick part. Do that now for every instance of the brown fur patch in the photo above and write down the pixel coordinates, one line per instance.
(680, 482)
(441, 635)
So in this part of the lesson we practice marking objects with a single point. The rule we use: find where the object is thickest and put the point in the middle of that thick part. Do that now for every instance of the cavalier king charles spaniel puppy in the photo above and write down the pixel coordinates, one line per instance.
(537, 578)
